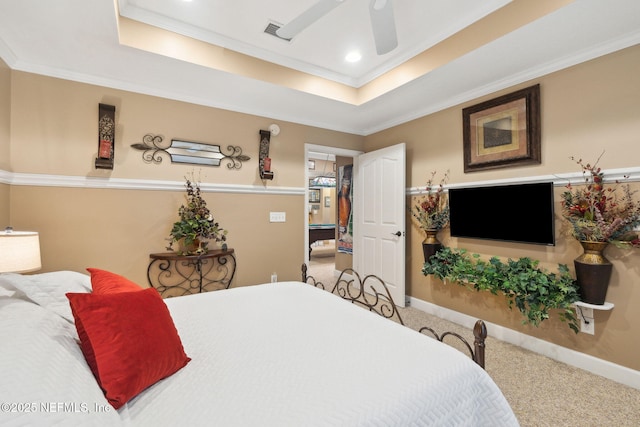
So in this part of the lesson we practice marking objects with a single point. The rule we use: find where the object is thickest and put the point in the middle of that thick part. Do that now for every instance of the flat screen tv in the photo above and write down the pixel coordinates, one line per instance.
(520, 213)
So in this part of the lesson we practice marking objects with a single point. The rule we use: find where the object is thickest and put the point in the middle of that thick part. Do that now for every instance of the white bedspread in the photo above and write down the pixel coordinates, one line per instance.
(284, 354)
(44, 378)
(288, 354)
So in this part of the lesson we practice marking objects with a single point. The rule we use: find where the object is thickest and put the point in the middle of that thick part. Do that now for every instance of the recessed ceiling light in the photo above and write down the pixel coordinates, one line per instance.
(354, 56)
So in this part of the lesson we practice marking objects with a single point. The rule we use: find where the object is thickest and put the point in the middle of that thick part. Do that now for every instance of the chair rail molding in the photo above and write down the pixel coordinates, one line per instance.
(43, 180)
(559, 180)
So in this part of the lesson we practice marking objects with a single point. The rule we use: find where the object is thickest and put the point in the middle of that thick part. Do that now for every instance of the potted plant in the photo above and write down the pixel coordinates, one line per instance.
(535, 291)
(599, 214)
(431, 213)
(196, 226)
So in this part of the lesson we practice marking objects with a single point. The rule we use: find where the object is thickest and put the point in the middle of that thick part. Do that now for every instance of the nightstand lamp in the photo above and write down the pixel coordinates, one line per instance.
(19, 251)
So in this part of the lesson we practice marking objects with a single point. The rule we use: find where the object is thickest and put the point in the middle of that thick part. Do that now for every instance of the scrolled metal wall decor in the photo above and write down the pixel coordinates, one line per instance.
(153, 147)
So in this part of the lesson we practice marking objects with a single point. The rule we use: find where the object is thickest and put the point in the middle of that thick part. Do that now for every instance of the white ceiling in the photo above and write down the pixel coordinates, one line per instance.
(79, 40)
(320, 49)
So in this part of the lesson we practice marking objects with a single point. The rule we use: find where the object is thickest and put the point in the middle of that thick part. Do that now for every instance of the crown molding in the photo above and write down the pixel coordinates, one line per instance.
(530, 74)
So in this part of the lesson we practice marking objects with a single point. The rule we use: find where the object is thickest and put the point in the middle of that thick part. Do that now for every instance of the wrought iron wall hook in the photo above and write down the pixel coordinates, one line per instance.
(154, 147)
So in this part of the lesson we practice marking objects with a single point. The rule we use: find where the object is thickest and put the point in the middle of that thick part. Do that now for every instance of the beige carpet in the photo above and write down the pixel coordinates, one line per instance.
(541, 391)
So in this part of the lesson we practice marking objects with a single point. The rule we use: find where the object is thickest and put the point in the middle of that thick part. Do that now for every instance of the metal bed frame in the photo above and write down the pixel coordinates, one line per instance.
(372, 293)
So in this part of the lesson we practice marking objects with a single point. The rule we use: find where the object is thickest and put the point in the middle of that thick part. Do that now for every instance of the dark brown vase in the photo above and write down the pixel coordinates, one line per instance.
(593, 272)
(430, 244)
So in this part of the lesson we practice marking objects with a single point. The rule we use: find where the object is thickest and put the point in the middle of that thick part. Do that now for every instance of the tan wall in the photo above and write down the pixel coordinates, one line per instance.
(5, 117)
(4, 206)
(323, 215)
(328, 213)
(587, 109)
(117, 230)
(54, 131)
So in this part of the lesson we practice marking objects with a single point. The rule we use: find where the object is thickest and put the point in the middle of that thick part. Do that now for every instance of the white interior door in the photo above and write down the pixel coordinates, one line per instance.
(379, 217)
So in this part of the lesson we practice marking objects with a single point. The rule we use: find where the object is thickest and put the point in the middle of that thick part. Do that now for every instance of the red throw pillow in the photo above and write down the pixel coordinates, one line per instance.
(105, 282)
(128, 339)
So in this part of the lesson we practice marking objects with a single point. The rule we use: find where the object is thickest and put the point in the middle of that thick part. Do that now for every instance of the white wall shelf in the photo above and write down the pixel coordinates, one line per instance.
(605, 307)
(585, 314)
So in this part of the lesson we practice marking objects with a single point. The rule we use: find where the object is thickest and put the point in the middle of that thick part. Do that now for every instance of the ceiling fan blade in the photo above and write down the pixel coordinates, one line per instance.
(307, 18)
(384, 26)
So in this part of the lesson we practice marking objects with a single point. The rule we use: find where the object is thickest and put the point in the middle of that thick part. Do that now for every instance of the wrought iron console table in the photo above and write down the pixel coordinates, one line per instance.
(176, 275)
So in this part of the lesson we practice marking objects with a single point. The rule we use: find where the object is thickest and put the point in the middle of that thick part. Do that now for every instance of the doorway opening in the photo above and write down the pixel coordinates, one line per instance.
(324, 255)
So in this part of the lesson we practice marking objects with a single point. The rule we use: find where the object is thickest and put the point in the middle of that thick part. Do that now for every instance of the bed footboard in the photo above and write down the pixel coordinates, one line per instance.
(369, 292)
(479, 332)
(372, 293)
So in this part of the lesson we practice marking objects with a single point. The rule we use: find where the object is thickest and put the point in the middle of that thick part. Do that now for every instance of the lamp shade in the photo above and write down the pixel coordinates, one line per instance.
(19, 251)
(323, 181)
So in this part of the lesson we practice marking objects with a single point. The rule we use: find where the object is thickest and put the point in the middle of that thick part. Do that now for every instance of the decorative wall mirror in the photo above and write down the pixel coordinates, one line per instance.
(154, 147)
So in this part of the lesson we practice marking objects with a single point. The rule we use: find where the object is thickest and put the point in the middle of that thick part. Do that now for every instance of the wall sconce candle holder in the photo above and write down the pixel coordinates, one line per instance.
(264, 165)
(106, 136)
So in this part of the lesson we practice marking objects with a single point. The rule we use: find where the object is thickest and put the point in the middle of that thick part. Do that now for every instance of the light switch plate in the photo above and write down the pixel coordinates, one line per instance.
(277, 217)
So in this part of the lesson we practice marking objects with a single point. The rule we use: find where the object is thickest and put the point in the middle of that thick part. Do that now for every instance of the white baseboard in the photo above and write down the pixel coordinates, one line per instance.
(606, 369)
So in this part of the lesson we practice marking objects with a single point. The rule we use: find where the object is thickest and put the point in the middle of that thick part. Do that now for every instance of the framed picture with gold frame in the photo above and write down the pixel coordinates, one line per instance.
(502, 132)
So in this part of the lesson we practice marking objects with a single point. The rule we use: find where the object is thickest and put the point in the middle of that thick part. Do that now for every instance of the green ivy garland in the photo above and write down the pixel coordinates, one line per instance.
(534, 291)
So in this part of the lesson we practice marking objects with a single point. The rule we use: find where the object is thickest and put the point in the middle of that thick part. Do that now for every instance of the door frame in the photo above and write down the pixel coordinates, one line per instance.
(324, 149)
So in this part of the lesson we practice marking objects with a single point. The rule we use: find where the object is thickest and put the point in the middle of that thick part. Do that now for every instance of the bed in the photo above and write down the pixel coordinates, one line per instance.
(272, 354)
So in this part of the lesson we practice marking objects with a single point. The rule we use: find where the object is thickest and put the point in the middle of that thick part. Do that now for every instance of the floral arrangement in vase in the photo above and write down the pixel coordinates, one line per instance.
(196, 226)
(598, 212)
(431, 208)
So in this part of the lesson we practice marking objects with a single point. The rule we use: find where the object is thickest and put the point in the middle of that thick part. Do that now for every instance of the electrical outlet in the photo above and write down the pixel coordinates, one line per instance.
(277, 216)
(587, 322)
(274, 277)
(588, 328)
